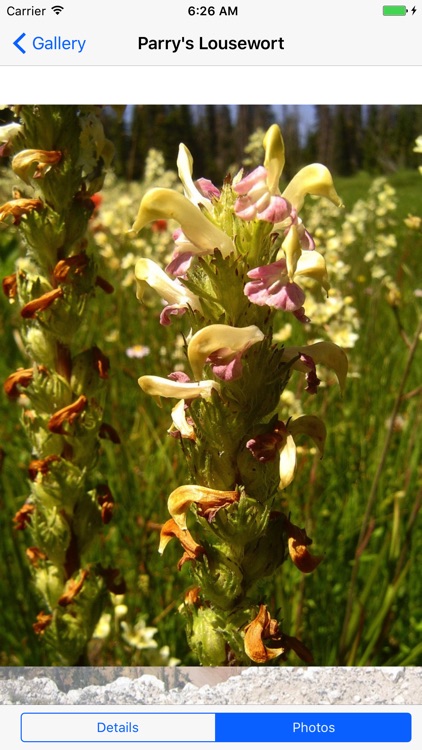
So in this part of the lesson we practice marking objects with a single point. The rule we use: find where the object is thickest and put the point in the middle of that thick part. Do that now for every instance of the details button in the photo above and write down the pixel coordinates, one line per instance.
(116, 726)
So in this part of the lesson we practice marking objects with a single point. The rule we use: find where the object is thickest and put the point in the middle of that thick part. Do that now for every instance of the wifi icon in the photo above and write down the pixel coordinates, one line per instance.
(57, 9)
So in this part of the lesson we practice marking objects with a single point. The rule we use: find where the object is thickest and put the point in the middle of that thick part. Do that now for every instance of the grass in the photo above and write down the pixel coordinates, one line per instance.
(363, 605)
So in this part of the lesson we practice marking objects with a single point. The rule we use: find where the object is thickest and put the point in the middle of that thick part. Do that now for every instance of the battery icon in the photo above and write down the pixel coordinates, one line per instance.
(394, 10)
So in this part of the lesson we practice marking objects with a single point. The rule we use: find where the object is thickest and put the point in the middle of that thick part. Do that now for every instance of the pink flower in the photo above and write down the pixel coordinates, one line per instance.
(179, 264)
(182, 255)
(207, 189)
(270, 286)
(177, 297)
(168, 310)
(312, 379)
(226, 365)
(222, 346)
(275, 285)
(179, 377)
(256, 201)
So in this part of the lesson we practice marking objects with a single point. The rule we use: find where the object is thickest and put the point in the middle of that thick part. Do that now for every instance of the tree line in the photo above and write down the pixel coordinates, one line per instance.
(378, 139)
(346, 138)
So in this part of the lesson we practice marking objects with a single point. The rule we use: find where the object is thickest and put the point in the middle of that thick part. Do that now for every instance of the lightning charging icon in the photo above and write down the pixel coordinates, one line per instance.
(413, 10)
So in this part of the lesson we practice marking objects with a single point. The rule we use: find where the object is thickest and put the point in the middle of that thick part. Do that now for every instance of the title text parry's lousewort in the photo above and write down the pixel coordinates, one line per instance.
(174, 45)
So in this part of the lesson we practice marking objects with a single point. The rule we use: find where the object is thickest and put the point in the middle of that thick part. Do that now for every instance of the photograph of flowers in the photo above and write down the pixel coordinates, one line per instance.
(210, 419)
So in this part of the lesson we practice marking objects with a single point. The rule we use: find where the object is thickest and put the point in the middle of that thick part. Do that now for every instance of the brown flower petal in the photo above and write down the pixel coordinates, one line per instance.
(170, 529)
(107, 512)
(42, 623)
(298, 549)
(208, 501)
(41, 303)
(41, 466)
(256, 632)
(101, 362)
(76, 264)
(23, 516)
(106, 502)
(192, 598)
(34, 555)
(209, 508)
(21, 377)
(67, 414)
(72, 589)
(18, 208)
(266, 446)
(10, 286)
(23, 162)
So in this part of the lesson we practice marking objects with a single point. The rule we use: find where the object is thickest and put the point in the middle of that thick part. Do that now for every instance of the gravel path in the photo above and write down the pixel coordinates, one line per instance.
(257, 685)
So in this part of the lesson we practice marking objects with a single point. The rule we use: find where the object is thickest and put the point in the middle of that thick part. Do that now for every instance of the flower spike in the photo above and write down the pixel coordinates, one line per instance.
(258, 251)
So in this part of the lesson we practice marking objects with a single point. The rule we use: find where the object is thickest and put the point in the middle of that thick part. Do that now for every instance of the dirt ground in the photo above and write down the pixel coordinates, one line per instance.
(217, 686)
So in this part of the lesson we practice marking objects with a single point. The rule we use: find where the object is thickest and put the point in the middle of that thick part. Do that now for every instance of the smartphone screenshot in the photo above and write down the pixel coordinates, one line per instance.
(210, 403)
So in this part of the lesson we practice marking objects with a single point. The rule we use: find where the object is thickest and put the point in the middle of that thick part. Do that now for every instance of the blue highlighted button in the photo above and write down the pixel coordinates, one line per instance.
(313, 727)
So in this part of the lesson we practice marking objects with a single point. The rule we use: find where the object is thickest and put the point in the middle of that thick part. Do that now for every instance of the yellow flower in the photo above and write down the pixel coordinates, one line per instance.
(185, 169)
(192, 550)
(207, 500)
(307, 263)
(281, 440)
(23, 162)
(262, 628)
(224, 345)
(324, 353)
(156, 386)
(315, 179)
(175, 294)
(163, 203)
(19, 207)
